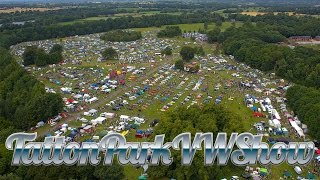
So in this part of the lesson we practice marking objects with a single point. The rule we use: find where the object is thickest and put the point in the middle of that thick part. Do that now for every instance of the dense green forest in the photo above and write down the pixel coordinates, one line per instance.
(121, 36)
(286, 25)
(37, 56)
(210, 118)
(23, 98)
(306, 103)
(170, 32)
(258, 45)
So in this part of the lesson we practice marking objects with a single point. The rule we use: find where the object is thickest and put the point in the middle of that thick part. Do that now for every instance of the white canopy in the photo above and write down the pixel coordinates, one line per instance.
(100, 120)
(92, 111)
(275, 113)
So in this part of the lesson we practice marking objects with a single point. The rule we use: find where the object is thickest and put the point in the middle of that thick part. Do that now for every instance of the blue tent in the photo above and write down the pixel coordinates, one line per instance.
(164, 99)
(254, 108)
(139, 131)
(57, 82)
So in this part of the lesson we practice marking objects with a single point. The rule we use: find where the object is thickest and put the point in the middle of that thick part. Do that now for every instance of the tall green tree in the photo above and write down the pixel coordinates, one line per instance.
(110, 53)
(187, 53)
(167, 51)
(210, 118)
(29, 55)
(179, 64)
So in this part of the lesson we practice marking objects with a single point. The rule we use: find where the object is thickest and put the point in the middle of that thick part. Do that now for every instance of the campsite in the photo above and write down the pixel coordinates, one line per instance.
(131, 94)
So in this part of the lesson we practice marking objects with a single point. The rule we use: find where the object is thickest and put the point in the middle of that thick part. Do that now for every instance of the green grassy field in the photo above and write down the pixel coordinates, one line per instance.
(211, 26)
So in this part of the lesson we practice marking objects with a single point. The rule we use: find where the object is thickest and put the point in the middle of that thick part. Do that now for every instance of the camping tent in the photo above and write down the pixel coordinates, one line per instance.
(142, 177)
(92, 112)
(275, 113)
(100, 120)
(311, 176)
(298, 170)
(109, 115)
(287, 174)
(124, 118)
(263, 172)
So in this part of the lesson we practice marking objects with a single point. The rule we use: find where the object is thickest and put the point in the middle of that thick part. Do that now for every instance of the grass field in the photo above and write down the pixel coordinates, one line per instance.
(97, 18)
(18, 9)
(256, 13)
(211, 26)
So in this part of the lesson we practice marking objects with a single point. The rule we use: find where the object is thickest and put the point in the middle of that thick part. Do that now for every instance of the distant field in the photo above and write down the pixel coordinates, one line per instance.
(253, 13)
(256, 13)
(17, 9)
(197, 26)
(97, 18)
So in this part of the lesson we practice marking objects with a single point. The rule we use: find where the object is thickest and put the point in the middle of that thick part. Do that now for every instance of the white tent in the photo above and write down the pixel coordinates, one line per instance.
(124, 118)
(262, 106)
(93, 111)
(94, 99)
(297, 128)
(276, 123)
(100, 120)
(95, 138)
(268, 101)
(83, 120)
(109, 115)
(300, 133)
(94, 121)
(275, 113)
(298, 170)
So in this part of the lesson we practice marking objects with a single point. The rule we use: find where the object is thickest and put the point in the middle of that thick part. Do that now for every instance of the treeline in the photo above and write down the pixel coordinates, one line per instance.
(72, 12)
(255, 45)
(54, 16)
(23, 103)
(306, 104)
(23, 100)
(65, 13)
(99, 172)
(170, 32)
(121, 36)
(284, 24)
(209, 118)
(37, 56)
(300, 65)
(11, 37)
(310, 10)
